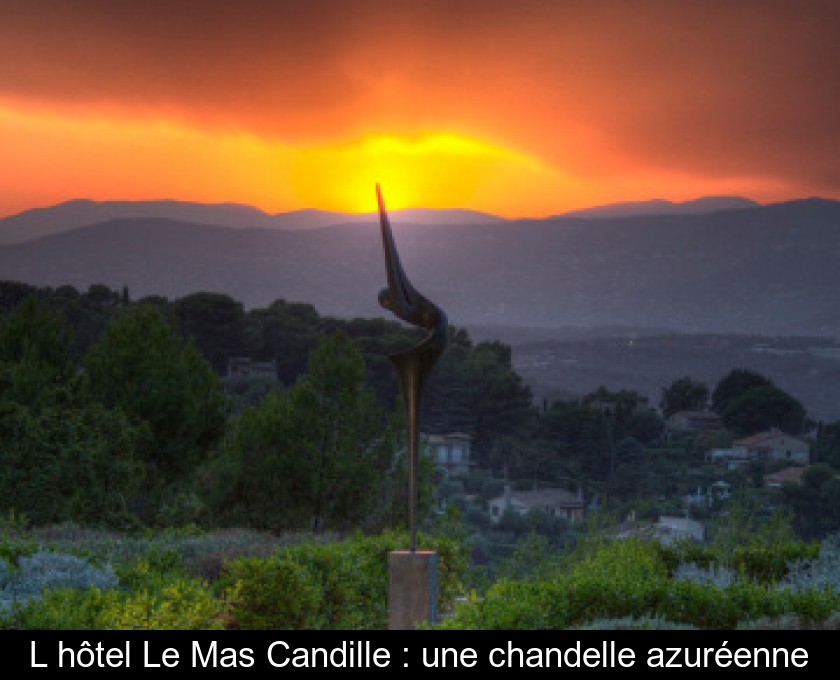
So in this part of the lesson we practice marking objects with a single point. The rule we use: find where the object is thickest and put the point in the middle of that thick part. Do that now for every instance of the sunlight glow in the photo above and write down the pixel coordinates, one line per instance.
(431, 171)
(51, 156)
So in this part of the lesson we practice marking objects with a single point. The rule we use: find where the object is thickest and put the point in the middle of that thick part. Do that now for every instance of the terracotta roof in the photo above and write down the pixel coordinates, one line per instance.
(790, 475)
(760, 437)
(764, 439)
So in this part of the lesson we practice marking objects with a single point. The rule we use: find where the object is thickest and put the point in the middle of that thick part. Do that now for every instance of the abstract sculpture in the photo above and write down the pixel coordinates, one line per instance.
(413, 364)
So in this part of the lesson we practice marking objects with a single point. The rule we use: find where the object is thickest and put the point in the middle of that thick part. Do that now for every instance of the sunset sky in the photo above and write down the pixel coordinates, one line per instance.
(520, 108)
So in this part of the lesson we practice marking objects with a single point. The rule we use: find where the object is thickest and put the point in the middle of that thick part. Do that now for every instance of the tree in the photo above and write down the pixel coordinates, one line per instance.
(214, 321)
(143, 367)
(68, 463)
(646, 426)
(618, 408)
(815, 501)
(827, 445)
(762, 408)
(36, 368)
(581, 437)
(501, 403)
(733, 385)
(315, 456)
(684, 394)
(62, 456)
(285, 332)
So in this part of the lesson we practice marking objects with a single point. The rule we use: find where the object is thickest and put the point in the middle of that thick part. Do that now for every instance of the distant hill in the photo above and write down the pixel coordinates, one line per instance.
(71, 215)
(698, 206)
(771, 270)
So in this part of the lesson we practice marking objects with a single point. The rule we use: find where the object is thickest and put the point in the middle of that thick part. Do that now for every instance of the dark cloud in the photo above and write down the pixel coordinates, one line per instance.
(737, 87)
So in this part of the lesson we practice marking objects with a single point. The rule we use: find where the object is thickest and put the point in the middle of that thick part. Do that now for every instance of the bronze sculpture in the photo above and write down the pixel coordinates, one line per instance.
(413, 364)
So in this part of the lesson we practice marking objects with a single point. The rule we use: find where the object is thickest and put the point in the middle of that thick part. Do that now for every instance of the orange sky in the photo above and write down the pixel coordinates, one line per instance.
(523, 108)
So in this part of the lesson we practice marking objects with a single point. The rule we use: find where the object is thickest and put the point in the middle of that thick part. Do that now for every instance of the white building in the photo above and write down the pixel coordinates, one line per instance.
(553, 501)
(767, 446)
(450, 452)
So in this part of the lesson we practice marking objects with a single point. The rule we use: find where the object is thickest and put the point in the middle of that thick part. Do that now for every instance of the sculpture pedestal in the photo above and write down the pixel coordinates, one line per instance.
(412, 588)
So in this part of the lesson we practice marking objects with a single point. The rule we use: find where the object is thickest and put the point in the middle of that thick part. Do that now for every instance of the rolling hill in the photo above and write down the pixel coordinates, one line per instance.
(764, 269)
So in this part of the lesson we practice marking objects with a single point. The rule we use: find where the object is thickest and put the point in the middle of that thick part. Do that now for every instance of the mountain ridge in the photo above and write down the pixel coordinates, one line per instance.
(659, 206)
(75, 213)
(767, 270)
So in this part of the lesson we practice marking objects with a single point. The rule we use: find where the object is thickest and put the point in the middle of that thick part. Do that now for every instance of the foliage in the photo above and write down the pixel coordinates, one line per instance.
(684, 394)
(762, 408)
(734, 384)
(284, 331)
(815, 501)
(35, 360)
(270, 594)
(315, 456)
(142, 367)
(214, 323)
(647, 427)
(532, 556)
(62, 454)
(42, 570)
(628, 580)
(580, 433)
(340, 585)
(474, 389)
(827, 445)
(180, 605)
(743, 544)
(821, 571)
(65, 592)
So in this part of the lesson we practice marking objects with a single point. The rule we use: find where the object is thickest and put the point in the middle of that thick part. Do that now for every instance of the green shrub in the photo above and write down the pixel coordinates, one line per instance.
(339, 585)
(275, 593)
(61, 609)
(758, 561)
(183, 604)
(630, 580)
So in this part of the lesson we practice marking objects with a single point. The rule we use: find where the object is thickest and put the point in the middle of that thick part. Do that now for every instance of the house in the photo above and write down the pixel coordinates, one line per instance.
(767, 446)
(735, 458)
(450, 452)
(693, 422)
(773, 445)
(554, 502)
(790, 475)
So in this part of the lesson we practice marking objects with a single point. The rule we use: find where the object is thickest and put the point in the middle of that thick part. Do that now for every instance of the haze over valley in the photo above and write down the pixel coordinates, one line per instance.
(626, 296)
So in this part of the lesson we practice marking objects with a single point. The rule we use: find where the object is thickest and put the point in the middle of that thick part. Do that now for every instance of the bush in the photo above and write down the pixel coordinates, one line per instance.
(341, 585)
(44, 570)
(57, 591)
(275, 593)
(181, 605)
(629, 580)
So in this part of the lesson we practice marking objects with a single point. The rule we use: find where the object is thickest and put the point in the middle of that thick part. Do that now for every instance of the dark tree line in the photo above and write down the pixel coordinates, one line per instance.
(113, 411)
(153, 369)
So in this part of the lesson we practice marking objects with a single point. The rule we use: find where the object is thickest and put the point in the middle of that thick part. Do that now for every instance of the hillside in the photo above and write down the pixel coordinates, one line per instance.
(70, 215)
(769, 270)
(807, 368)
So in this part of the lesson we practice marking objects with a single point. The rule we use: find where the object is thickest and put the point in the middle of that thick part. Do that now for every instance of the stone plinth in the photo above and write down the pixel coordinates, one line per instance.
(412, 588)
